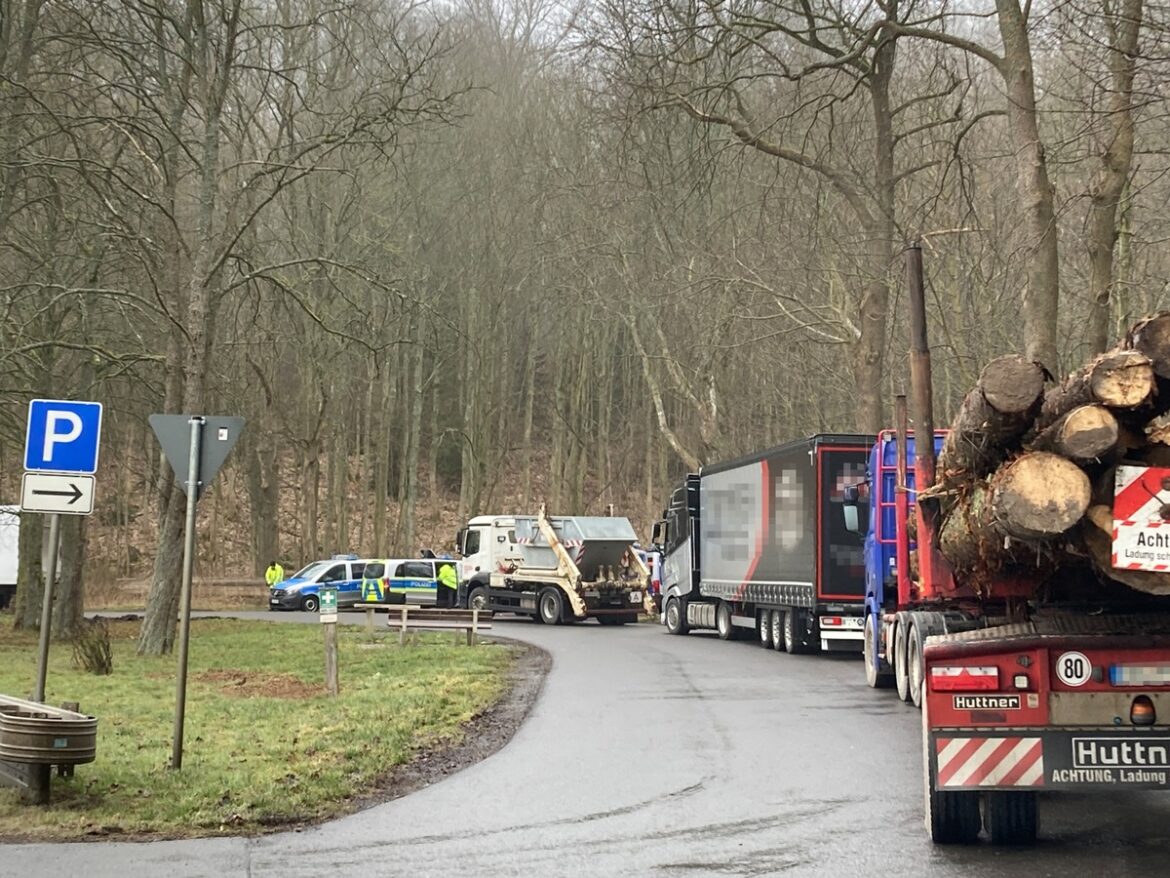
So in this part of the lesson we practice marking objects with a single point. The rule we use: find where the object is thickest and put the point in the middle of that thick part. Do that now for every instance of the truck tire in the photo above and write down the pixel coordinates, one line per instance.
(764, 628)
(550, 605)
(310, 603)
(478, 599)
(915, 670)
(875, 678)
(922, 626)
(1011, 818)
(952, 817)
(901, 671)
(676, 617)
(794, 634)
(723, 622)
(777, 617)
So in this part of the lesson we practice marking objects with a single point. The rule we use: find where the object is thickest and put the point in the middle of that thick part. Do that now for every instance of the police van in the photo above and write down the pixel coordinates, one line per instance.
(404, 580)
(302, 590)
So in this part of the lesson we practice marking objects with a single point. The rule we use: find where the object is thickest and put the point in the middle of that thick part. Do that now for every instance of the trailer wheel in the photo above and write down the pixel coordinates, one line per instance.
(676, 617)
(915, 669)
(550, 604)
(794, 643)
(723, 622)
(1012, 818)
(952, 817)
(764, 628)
(901, 676)
(874, 677)
(777, 617)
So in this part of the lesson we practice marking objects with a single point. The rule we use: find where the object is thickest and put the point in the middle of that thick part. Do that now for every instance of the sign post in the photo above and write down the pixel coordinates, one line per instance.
(60, 457)
(328, 612)
(192, 489)
(195, 463)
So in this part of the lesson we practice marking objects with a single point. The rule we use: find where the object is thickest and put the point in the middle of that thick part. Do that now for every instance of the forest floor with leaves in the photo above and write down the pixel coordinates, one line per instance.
(265, 747)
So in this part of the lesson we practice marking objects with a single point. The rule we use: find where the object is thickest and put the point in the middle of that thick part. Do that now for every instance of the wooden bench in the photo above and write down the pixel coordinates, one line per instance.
(372, 607)
(414, 618)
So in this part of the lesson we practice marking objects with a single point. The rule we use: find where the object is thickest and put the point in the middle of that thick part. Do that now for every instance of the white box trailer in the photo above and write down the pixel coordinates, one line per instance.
(9, 552)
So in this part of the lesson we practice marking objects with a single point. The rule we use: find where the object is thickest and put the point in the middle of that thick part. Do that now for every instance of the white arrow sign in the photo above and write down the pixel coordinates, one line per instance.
(56, 492)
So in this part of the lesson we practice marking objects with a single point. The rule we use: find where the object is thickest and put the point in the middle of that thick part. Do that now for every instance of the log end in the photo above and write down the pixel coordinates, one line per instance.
(1039, 495)
(1012, 385)
(1088, 433)
(1122, 379)
(1151, 336)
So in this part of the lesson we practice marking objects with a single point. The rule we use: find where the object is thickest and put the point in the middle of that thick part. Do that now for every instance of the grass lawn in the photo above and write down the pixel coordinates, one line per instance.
(264, 745)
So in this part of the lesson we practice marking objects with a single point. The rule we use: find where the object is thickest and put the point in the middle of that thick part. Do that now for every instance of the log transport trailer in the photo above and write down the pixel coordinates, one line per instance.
(759, 546)
(1027, 685)
(556, 569)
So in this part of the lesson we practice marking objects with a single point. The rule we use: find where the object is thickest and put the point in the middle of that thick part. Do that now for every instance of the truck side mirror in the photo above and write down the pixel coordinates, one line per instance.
(658, 533)
(852, 494)
(459, 537)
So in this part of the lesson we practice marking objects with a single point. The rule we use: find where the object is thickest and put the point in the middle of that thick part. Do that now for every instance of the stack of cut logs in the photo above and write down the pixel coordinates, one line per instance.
(1026, 476)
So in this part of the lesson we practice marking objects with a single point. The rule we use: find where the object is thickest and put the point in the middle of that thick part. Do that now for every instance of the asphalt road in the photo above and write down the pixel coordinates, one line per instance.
(665, 756)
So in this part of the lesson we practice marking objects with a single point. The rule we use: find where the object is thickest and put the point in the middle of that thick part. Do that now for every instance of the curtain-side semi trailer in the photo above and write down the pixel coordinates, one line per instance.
(759, 545)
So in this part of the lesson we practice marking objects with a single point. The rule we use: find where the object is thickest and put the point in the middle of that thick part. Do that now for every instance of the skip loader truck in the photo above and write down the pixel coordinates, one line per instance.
(556, 569)
(1016, 581)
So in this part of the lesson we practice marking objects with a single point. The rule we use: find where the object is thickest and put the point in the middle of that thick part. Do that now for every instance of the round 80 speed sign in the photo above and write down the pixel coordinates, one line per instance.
(1074, 669)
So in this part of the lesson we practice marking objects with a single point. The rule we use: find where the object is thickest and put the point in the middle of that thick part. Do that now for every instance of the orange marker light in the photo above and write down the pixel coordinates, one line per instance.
(1141, 712)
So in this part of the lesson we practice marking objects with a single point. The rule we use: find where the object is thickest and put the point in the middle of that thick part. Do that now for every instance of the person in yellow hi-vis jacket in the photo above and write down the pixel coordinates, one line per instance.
(274, 574)
(448, 585)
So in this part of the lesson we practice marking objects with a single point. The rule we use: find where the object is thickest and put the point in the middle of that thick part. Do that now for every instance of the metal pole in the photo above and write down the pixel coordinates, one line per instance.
(47, 608)
(185, 599)
(920, 378)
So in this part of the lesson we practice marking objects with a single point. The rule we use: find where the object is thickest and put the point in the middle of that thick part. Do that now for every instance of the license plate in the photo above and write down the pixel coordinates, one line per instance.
(635, 597)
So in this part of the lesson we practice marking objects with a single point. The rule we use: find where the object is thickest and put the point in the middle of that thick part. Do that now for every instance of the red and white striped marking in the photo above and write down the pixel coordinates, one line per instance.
(990, 762)
(1138, 500)
(1138, 495)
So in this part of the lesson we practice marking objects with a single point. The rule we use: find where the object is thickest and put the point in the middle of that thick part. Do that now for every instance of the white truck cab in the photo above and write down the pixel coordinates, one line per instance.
(487, 544)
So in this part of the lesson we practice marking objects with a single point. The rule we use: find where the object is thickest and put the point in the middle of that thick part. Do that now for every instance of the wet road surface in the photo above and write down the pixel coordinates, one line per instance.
(654, 755)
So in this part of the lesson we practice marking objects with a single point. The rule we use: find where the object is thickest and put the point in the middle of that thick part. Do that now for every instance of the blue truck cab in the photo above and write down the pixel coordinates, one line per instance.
(880, 528)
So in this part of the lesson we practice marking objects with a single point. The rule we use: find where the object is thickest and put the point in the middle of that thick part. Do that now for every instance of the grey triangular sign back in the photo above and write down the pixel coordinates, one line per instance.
(218, 437)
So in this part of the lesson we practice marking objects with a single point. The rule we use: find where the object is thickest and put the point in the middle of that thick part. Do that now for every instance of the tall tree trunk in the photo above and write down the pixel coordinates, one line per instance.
(262, 471)
(159, 621)
(1042, 291)
(408, 495)
(529, 404)
(875, 299)
(1113, 172)
(69, 605)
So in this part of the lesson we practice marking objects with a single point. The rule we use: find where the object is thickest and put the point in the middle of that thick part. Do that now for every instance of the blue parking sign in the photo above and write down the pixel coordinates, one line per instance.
(63, 436)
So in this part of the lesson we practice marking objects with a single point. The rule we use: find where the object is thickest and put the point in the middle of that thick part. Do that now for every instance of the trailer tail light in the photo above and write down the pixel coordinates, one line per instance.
(1021, 682)
(946, 678)
(1141, 712)
(1139, 675)
(831, 622)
